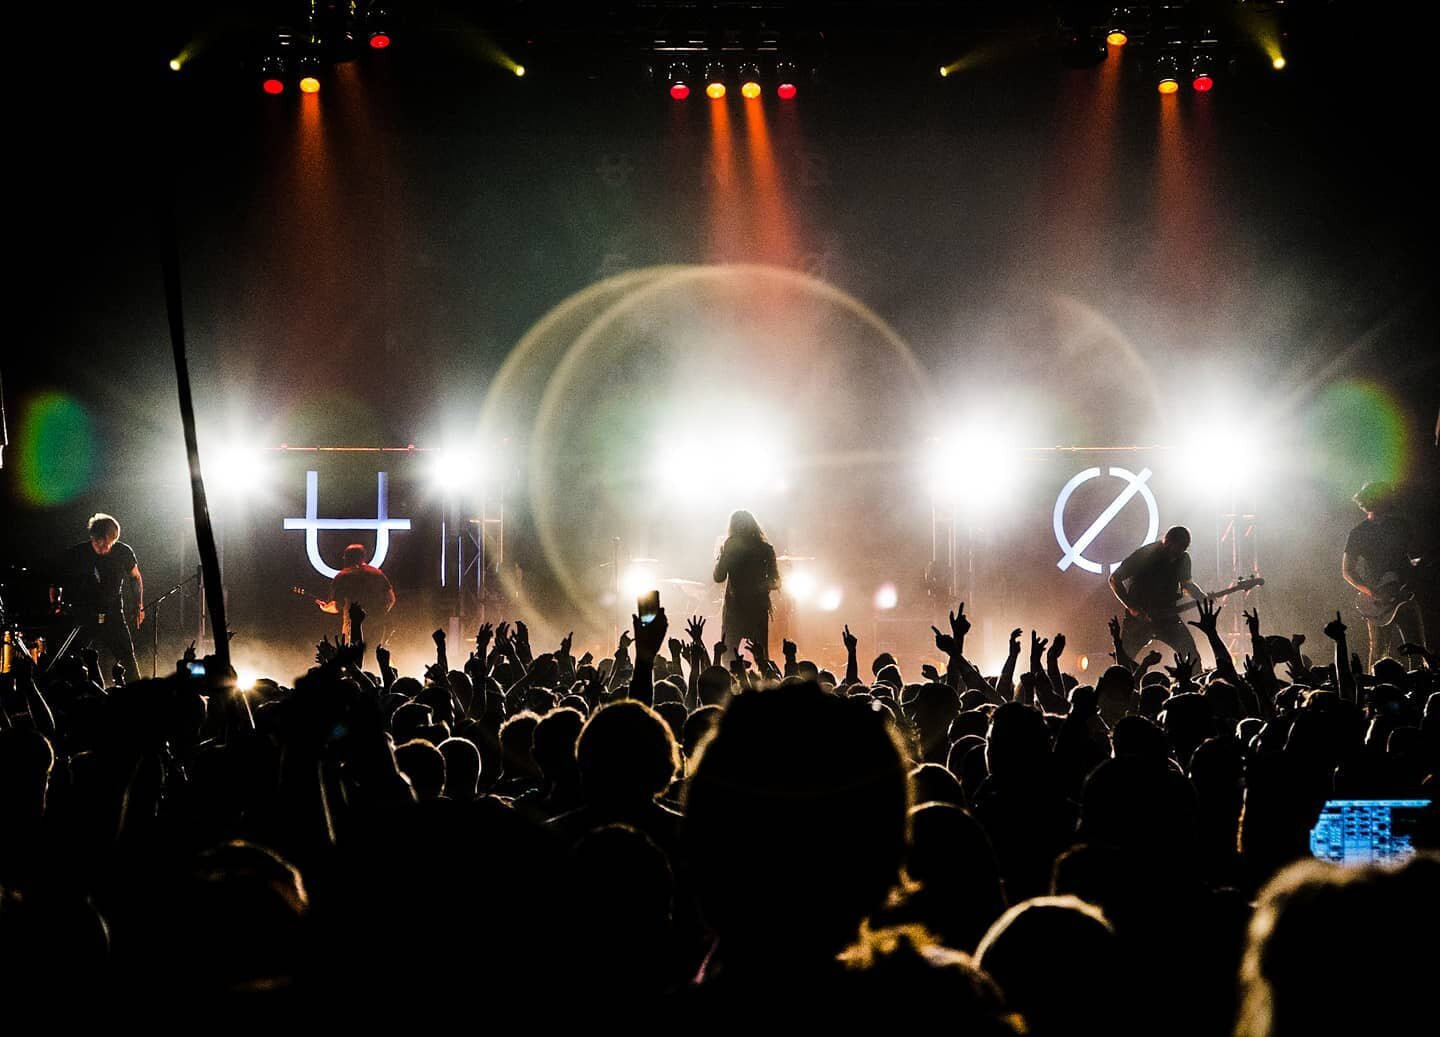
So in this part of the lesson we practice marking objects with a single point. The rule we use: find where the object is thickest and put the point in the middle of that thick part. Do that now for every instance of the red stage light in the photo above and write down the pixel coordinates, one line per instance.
(786, 91)
(1203, 83)
(679, 91)
(379, 40)
(273, 86)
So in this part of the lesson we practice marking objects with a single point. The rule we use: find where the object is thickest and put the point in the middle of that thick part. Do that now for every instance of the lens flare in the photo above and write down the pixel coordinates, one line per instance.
(56, 449)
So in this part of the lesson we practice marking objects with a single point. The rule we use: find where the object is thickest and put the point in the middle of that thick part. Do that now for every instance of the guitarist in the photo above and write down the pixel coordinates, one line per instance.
(89, 578)
(1379, 558)
(358, 582)
(1148, 584)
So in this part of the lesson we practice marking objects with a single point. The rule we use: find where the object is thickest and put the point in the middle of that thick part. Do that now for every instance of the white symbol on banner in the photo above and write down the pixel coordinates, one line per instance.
(1074, 554)
(382, 523)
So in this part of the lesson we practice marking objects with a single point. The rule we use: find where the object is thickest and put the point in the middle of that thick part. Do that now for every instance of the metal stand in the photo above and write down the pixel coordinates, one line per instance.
(197, 577)
(1236, 558)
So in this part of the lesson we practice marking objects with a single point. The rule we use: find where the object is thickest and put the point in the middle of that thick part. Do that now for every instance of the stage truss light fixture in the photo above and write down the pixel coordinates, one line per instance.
(307, 71)
(377, 27)
(1201, 79)
(1277, 63)
(715, 81)
(678, 76)
(1167, 74)
(272, 75)
(749, 81)
(1117, 38)
(786, 76)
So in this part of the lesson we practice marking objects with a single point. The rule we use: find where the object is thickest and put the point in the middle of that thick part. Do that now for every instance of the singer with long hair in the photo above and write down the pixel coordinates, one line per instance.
(747, 562)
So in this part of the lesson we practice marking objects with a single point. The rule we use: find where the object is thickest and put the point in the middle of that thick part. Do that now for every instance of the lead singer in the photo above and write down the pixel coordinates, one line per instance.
(748, 561)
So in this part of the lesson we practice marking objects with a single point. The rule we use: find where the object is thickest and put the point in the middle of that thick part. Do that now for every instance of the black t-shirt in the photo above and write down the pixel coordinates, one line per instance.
(750, 567)
(94, 581)
(1380, 545)
(1155, 575)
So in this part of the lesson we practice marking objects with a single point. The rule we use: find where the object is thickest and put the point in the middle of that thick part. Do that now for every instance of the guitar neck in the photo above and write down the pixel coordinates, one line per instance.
(1186, 606)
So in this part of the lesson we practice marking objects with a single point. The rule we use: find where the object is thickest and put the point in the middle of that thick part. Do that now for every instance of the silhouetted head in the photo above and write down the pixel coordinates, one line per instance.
(553, 744)
(1073, 934)
(462, 768)
(744, 527)
(626, 754)
(1375, 498)
(1176, 540)
(424, 765)
(1295, 983)
(355, 554)
(1018, 743)
(795, 822)
(104, 531)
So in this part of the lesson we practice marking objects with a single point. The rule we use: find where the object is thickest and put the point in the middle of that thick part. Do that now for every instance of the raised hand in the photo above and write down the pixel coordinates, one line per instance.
(649, 637)
(959, 625)
(117, 672)
(720, 647)
(324, 650)
(1037, 648)
(1208, 623)
(483, 637)
(1335, 629)
(695, 629)
(944, 642)
(1254, 671)
(748, 646)
(1152, 657)
(522, 634)
(382, 656)
(625, 640)
(1057, 647)
(788, 648)
(189, 655)
(1015, 636)
(439, 638)
(565, 644)
(850, 640)
(1115, 629)
(1252, 621)
(930, 673)
(1183, 668)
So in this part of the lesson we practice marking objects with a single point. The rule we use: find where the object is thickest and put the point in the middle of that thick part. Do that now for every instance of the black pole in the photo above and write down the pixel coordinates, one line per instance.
(204, 532)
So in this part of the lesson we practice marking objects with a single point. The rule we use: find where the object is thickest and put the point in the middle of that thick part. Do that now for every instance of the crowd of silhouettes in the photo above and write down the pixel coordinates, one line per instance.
(670, 841)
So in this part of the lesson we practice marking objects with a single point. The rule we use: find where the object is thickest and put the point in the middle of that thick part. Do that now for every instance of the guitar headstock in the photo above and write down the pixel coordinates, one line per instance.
(299, 591)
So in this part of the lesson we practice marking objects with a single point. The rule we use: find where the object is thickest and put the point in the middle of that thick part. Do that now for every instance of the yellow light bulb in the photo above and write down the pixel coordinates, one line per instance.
(715, 91)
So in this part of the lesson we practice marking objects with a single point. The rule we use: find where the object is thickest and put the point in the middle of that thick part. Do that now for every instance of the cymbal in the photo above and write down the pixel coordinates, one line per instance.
(795, 558)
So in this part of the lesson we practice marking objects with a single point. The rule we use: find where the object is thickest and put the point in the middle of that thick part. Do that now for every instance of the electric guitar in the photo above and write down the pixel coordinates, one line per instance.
(1157, 615)
(1390, 594)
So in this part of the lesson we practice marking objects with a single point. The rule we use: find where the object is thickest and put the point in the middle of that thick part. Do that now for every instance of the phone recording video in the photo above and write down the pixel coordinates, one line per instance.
(647, 606)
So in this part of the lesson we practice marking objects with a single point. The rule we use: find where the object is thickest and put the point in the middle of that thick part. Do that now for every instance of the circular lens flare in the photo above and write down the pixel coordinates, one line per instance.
(786, 91)
(309, 85)
(273, 86)
(750, 90)
(715, 91)
(1117, 39)
(1167, 86)
(679, 91)
(1203, 84)
(379, 40)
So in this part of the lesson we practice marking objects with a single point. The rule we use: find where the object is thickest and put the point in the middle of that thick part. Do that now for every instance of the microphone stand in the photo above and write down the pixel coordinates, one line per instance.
(155, 604)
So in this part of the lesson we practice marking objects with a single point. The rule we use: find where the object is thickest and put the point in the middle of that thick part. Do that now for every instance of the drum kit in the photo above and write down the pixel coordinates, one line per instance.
(22, 633)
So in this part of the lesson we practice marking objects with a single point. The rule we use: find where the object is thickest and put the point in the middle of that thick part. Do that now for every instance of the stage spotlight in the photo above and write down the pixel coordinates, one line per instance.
(1167, 74)
(830, 599)
(174, 64)
(1117, 38)
(519, 71)
(1278, 63)
(749, 80)
(308, 70)
(786, 75)
(456, 470)
(377, 25)
(715, 81)
(678, 75)
(272, 75)
(1084, 663)
(975, 469)
(886, 597)
(944, 71)
(239, 471)
(641, 576)
(800, 584)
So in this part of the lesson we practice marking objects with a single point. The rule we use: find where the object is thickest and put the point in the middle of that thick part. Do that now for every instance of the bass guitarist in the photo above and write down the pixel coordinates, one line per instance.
(1379, 560)
(1148, 584)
